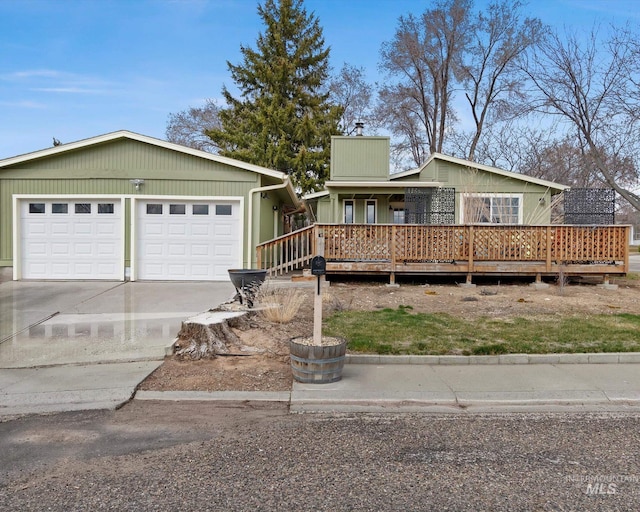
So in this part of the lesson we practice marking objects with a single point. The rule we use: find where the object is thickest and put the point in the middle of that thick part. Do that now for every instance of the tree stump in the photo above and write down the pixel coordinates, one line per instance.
(206, 335)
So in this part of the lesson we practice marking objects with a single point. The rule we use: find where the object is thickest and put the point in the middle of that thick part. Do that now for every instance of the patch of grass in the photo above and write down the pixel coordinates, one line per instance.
(401, 331)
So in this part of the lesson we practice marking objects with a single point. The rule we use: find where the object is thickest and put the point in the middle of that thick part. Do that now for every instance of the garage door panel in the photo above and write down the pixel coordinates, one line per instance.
(200, 229)
(106, 229)
(200, 271)
(58, 268)
(190, 241)
(83, 228)
(222, 250)
(200, 250)
(153, 250)
(177, 229)
(153, 228)
(60, 249)
(58, 243)
(36, 228)
(178, 270)
(177, 250)
(105, 249)
(83, 249)
(36, 249)
(60, 228)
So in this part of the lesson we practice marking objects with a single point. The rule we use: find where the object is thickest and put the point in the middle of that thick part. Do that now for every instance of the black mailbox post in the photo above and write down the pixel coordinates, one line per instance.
(318, 268)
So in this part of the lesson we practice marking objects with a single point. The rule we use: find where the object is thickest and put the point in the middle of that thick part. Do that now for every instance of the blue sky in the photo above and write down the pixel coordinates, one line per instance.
(74, 69)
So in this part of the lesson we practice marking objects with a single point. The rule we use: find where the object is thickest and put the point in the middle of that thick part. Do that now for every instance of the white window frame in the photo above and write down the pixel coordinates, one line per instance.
(366, 211)
(491, 196)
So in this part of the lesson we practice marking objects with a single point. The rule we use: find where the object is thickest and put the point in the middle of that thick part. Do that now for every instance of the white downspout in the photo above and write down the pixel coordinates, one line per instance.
(253, 191)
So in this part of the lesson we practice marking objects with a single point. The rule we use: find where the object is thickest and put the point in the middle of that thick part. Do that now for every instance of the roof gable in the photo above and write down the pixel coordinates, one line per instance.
(466, 163)
(124, 135)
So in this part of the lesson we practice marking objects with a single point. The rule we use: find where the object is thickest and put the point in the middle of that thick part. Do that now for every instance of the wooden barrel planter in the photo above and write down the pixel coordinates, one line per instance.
(317, 364)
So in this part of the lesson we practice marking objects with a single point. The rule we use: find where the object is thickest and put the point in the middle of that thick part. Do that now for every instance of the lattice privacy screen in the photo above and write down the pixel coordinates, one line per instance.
(429, 205)
(589, 206)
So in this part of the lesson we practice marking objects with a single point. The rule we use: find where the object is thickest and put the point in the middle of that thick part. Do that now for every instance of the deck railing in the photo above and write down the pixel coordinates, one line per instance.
(286, 253)
(409, 248)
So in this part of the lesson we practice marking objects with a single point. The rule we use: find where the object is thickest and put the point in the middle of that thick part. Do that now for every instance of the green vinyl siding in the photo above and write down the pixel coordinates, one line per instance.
(359, 158)
(127, 159)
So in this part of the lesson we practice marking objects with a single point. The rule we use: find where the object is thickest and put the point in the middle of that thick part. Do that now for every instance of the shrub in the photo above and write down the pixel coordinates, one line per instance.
(279, 305)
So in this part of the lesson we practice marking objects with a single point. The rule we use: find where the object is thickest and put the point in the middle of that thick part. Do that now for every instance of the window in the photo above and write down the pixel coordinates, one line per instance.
(223, 209)
(349, 212)
(105, 208)
(59, 208)
(177, 209)
(83, 208)
(154, 209)
(398, 215)
(492, 209)
(201, 209)
(370, 211)
(36, 207)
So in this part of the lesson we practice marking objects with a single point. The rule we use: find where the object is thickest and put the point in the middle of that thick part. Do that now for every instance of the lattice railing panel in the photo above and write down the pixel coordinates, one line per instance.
(589, 243)
(357, 242)
(431, 243)
(509, 243)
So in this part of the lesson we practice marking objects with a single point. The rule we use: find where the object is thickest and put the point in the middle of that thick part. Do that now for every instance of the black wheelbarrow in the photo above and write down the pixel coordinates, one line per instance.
(247, 283)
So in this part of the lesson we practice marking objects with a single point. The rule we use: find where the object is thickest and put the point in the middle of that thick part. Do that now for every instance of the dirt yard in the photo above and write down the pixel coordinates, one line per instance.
(268, 368)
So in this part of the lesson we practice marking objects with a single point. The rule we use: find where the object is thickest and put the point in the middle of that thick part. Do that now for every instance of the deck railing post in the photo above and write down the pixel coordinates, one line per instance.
(548, 249)
(471, 249)
(393, 249)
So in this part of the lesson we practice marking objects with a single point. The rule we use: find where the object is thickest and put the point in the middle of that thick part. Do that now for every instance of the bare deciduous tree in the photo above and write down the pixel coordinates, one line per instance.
(349, 90)
(425, 54)
(490, 75)
(591, 85)
(190, 126)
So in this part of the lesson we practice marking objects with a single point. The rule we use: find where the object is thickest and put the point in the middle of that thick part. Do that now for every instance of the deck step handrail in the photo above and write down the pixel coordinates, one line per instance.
(286, 253)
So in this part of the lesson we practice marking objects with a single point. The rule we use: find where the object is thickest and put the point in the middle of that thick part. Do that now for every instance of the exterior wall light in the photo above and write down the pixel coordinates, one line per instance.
(137, 182)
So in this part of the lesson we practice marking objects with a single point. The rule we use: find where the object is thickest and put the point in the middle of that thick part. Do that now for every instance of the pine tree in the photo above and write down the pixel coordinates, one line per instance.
(283, 119)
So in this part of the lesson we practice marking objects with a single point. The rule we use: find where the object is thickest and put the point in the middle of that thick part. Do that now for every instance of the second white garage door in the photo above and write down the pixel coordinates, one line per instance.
(187, 240)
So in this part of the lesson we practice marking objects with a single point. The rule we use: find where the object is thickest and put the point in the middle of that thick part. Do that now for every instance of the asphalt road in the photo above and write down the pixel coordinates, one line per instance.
(195, 456)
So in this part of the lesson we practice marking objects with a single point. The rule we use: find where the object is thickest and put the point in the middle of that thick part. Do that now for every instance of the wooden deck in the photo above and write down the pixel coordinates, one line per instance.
(470, 250)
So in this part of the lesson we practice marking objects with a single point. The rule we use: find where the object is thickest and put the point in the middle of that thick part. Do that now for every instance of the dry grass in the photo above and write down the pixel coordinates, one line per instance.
(279, 305)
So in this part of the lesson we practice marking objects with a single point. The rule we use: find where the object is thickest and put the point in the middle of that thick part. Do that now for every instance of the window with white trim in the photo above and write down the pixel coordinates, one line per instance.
(492, 209)
(349, 211)
(398, 215)
(370, 211)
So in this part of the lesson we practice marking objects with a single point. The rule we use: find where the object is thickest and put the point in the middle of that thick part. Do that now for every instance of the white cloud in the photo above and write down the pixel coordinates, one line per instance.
(70, 90)
(24, 104)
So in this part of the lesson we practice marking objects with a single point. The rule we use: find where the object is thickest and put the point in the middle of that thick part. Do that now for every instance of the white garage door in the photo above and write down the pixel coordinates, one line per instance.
(187, 240)
(71, 239)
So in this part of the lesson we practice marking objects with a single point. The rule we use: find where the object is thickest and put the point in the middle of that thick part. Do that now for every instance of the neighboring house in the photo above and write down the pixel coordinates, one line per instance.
(126, 205)
(444, 190)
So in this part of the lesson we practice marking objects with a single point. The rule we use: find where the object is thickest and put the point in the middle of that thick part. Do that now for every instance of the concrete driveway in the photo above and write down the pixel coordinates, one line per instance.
(634, 262)
(68, 345)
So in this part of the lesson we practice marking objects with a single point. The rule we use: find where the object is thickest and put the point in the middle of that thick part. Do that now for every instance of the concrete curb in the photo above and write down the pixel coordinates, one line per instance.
(581, 358)
(206, 396)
